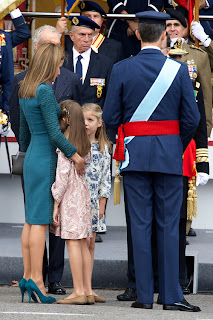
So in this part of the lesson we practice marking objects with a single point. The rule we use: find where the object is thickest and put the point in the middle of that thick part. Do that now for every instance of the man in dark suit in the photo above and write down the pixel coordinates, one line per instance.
(106, 46)
(151, 139)
(66, 86)
(94, 69)
(124, 30)
(9, 40)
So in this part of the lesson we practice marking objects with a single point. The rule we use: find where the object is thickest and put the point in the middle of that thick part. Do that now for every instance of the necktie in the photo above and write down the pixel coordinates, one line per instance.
(79, 67)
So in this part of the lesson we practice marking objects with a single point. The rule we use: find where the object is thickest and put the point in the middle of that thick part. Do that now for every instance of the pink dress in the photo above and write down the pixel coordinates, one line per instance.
(71, 191)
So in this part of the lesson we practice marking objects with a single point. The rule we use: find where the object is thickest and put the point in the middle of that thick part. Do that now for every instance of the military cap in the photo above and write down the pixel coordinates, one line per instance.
(176, 15)
(82, 21)
(152, 17)
(184, 11)
(91, 6)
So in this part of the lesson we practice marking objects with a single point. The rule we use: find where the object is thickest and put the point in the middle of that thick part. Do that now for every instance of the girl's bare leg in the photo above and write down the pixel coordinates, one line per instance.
(87, 267)
(76, 264)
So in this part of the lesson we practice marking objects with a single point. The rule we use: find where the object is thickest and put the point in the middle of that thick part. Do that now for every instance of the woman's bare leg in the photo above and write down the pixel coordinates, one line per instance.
(37, 244)
(26, 250)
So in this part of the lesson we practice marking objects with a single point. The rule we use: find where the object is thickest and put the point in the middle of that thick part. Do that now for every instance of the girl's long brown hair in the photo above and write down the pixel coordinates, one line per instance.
(42, 68)
(76, 126)
(100, 134)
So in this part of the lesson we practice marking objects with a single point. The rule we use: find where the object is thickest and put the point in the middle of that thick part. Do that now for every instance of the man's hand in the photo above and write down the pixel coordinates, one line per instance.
(133, 25)
(61, 25)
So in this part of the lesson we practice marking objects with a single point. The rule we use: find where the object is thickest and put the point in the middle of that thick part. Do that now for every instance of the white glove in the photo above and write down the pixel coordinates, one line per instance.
(4, 129)
(199, 33)
(201, 179)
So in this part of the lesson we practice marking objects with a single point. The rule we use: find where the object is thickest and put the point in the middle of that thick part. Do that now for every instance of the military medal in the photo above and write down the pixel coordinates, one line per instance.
(99, 91)
(192, 69)
(99, 83)
(2, 39)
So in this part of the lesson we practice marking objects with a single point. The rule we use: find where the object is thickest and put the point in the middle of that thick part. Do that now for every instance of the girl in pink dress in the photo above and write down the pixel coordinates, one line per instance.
(72, 207)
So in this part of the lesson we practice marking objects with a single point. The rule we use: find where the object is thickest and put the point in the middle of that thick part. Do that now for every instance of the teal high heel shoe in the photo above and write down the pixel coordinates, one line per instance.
(32, 288)
(22, 286)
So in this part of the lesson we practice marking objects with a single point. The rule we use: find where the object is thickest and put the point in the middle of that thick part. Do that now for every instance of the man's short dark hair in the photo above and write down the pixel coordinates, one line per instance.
(150, 32)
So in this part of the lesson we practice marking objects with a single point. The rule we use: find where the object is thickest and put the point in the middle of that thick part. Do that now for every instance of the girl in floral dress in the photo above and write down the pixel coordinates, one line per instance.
(98, 174)
(72, 207)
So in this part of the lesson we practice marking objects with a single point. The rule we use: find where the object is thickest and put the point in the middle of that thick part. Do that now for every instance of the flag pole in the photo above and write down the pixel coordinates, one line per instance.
(62, 15)
(196, 19)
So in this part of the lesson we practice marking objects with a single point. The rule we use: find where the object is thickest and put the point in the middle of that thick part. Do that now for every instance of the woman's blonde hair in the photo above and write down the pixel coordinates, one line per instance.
(43, 67)
(73, 114)
(100, 134)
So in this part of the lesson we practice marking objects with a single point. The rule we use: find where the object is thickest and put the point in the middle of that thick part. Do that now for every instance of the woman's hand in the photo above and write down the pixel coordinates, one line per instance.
(55, 214)
(79, 163)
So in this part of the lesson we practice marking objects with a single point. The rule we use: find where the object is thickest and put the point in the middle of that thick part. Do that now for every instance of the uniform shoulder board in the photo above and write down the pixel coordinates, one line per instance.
(196, 48)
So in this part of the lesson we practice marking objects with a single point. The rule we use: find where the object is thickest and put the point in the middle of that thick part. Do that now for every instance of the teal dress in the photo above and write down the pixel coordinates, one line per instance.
(40, 136)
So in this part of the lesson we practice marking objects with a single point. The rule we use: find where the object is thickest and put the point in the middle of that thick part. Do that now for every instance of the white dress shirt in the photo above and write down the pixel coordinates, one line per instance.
(84, 61)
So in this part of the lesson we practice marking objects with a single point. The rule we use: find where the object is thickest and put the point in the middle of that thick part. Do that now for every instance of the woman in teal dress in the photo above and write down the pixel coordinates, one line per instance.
(40, 136)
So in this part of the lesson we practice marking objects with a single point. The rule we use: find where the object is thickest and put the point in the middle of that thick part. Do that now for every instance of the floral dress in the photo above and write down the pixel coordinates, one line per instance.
(71, 191)
(98, 179)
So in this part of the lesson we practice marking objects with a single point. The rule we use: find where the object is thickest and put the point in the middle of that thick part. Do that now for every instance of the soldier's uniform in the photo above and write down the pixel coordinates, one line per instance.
(199, 58)
(152, 167)
(118, 27)
(9, 40)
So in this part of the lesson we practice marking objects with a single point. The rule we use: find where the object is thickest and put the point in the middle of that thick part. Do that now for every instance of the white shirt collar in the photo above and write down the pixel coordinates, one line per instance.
(151, 47)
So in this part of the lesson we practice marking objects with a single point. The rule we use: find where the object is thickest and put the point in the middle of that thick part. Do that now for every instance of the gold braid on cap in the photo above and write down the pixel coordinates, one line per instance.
(202, 155)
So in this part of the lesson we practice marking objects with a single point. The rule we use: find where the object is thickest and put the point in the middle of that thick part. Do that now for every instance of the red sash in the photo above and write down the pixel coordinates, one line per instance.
(143, 128)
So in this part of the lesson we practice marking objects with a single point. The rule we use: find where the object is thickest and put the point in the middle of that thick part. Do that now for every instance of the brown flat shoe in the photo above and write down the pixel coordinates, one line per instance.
(76, 300)
(90, 299)
(99, 299)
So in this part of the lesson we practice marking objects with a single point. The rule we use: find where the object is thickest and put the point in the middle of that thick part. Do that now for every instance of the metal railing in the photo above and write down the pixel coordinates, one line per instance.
(108, 15)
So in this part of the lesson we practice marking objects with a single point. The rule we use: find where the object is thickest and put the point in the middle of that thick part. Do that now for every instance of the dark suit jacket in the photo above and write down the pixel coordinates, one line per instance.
(99, 68)
(157, 153)
(67, 86)
(12, 39)
(110, 48)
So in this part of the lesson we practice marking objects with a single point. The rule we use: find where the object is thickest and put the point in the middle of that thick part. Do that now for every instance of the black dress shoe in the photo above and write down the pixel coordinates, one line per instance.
(129, 294)
(185, 290)
(56, 288)
(191, 233)
(181, 306)
(98, 238)
(137, 304)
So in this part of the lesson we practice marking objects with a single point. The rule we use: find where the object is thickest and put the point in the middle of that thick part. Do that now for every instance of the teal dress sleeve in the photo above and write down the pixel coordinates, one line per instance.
(48, 106)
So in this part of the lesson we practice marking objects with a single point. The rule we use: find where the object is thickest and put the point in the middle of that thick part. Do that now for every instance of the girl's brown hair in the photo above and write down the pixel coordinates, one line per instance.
(42, 68)
(100, 134)
(76, 127)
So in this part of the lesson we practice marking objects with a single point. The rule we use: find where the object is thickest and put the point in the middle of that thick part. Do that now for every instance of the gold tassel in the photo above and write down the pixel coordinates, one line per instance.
(117, 184)
(190, 201)
(194, 197)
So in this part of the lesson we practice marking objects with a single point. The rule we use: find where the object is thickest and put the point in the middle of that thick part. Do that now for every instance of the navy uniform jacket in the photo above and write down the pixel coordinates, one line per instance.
(111, 48)
(66, 86)
(12, 39)
(131, 45)
(130, 81)
(99, 68)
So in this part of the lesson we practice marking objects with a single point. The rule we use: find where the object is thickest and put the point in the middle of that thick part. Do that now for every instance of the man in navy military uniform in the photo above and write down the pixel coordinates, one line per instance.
(124, 30)
(94, 69)
(66, 86)
(9, 40)
(155, 136)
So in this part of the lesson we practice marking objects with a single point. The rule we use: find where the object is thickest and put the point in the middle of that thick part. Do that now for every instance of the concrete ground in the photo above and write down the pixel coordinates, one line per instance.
(12, 308)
